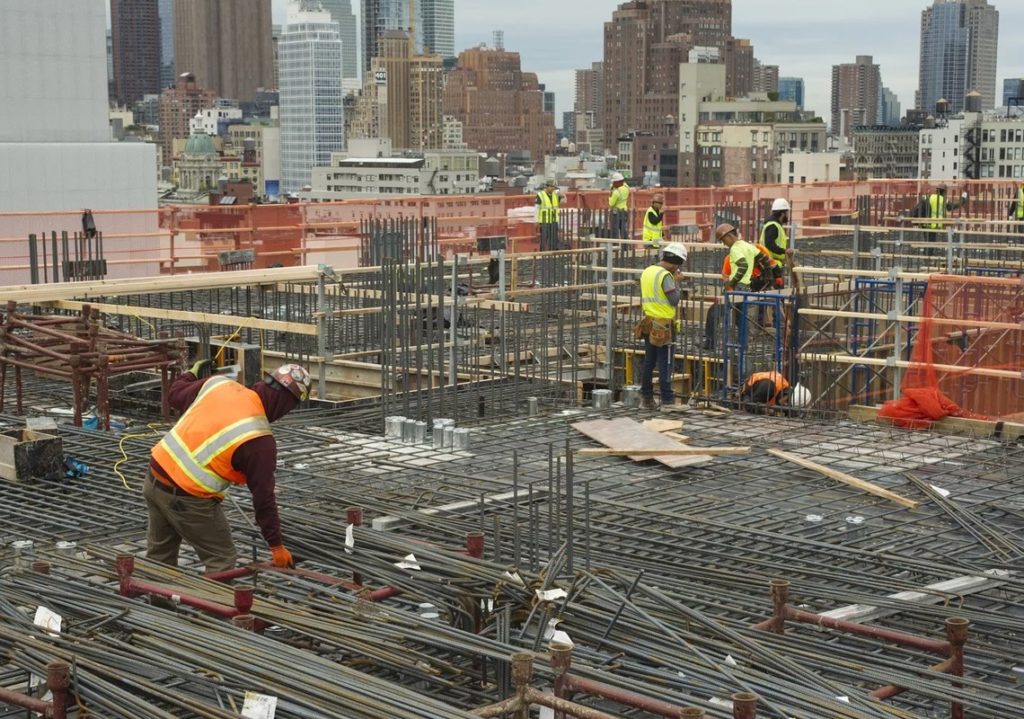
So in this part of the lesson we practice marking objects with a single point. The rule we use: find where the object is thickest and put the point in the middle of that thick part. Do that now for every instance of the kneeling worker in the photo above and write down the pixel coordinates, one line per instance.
(764, 390)
(223, 438)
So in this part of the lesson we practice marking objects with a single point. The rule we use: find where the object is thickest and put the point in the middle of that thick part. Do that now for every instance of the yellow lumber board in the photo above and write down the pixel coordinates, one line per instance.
(951, 425)
(662, 451)
(169, 283)
(848, 479)
(663, 425)
(205, 318)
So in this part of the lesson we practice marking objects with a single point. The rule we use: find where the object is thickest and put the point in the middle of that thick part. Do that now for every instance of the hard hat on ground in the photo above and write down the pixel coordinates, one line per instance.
(722, 230)
(617, 177)
(293, 378)
(674, 252)
(799, 396)
(780, 205)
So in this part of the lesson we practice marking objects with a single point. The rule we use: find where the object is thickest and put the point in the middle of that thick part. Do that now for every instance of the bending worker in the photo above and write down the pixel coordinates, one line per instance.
(660, 293)
(618, 206)
(222, 438)
(743, 258)
(764, 390)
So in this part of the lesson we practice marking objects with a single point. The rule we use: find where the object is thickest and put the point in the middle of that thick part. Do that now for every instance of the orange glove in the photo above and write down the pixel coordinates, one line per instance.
(281, 557)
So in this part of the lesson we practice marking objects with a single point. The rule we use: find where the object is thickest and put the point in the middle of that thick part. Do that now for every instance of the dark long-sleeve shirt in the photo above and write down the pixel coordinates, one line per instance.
(771, 237)
(255, 458)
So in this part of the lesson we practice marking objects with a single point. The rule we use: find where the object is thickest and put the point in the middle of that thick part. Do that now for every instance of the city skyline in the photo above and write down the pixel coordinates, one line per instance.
(793, 34)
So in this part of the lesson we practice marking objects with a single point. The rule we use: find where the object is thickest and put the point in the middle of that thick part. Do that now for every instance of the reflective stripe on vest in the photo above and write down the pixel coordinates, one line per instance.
(547, 209)
(741, 249)
(196, 454)
(937, 205)
(776, 377)
(619, 198)
(652, 230)
(652, 293)
(782, 241)
(1020, 203)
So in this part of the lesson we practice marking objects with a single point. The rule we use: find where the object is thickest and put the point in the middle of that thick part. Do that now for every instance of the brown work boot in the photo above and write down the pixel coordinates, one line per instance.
(648, 403)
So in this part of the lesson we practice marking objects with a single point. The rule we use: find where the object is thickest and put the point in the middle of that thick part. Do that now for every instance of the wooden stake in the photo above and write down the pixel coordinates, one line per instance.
(844, 478)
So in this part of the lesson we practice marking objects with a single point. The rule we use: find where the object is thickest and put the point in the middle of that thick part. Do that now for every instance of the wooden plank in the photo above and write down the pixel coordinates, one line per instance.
(844, 478)
(145, 285)
(951, 425)
(205, 318)
(623, 432)
(662, 451)
(663, 425)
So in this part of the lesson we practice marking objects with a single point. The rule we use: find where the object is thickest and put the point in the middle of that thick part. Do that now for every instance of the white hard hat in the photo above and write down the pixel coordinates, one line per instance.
(780, 205)
(677, 249)
(799, 396)
(617, 177)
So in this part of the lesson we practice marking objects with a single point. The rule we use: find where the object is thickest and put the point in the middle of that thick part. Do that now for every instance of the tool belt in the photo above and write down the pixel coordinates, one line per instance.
(657, 331)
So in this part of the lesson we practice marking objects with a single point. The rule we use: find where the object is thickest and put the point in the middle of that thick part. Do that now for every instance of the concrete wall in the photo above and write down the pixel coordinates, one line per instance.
(53, 71)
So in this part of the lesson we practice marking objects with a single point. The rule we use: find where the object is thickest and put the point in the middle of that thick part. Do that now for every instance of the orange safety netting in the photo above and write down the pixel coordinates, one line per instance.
(968, 354)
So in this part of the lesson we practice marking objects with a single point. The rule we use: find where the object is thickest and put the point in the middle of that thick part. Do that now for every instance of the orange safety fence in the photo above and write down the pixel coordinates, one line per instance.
(187, 238)
(968, 353)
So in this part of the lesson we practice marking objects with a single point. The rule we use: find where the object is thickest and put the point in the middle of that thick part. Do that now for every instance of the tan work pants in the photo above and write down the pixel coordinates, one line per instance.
(200, 522)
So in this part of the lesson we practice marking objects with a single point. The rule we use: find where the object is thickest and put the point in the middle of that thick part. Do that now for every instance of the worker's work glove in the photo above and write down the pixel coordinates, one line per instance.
(281, 557)
(201, 368)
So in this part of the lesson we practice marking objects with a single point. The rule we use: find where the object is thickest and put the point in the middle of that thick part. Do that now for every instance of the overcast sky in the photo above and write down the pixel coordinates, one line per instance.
(803, 37)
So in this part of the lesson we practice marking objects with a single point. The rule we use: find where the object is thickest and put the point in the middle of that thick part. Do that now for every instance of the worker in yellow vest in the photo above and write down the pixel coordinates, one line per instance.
(937, 208)
(548, 201)
(773, 233)
(618, 207)
(222, 439)
(1017, 209)
(660, 293)
(744, 257)
(654, 223)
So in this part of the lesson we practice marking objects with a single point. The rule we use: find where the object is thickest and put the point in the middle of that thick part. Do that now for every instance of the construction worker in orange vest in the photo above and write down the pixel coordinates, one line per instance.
(222, 438)
(764, 390)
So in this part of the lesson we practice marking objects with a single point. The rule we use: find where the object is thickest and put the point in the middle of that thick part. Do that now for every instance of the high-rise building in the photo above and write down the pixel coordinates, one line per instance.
(549, 99)
(856, 88)
(766, 77)
(401, 98)
(792, 89)
(226, 44)
(435, 27)
(312, 121)
(959, 41)
(178, 105)
(341, 13)
(431, 22)
(166, 10)
(644, 44)
(590, 91)
(501, 108)
(1013, 88)
(378, 17)
(135, 38)
(888, 108)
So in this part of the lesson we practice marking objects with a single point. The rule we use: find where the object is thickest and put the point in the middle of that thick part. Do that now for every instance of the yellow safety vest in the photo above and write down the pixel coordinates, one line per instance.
(652, 293)
(783, 242)
(547, 207)
(652, 230)
(937, 203)
(619, 198)
(742, 250)
(1020, 203)
(196, 454)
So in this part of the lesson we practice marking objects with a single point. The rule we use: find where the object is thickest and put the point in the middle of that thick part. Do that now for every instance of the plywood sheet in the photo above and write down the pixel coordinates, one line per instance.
(628, 433)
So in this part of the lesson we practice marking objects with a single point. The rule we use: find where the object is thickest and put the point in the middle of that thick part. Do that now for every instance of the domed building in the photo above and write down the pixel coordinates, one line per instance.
(199, 165)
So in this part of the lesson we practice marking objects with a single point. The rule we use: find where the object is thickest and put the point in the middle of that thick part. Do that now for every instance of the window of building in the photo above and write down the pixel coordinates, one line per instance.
(791, 167)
